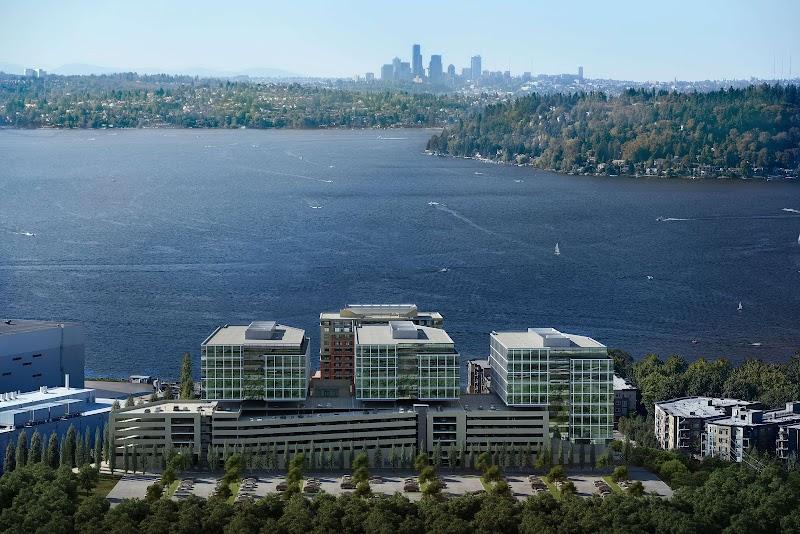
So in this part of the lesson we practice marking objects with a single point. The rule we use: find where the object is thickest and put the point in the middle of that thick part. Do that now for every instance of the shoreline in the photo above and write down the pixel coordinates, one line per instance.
(786, 179)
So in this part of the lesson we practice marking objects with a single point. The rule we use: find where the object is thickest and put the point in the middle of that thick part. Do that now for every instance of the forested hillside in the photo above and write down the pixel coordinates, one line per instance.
(732, 132)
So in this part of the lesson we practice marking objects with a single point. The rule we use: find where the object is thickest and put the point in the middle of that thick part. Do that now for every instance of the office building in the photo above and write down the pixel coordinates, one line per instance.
(580, 73)
(263, 361)
(337, 332)
(369, 77)
(405, 71)
(466, 74)
(732, 437)
(626, 398)
(51, 410)
(396, 68)
(402, 360)
(30, 73)
(39, 353)
(416, 61)
(451, 74)
(435, 72)
(479, 377)
(571, 375)
(475, 68)
(680, 423)
(387, 72)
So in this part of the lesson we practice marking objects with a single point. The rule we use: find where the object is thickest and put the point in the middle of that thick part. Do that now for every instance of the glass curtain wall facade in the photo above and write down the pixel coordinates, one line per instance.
(253, 373)
(575, 383)
(406, 371)
(592, 398)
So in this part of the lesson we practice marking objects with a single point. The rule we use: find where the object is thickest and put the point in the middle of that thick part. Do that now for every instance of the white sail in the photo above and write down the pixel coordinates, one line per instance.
(740, 306)
(557, 251)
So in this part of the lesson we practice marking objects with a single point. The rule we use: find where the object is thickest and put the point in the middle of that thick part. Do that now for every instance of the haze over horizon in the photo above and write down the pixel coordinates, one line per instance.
(626, 41)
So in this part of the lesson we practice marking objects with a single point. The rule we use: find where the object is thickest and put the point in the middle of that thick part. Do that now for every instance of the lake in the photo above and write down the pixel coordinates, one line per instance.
(152, 238)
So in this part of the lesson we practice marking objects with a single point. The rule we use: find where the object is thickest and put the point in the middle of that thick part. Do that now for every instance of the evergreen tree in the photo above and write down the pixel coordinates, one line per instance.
(112, 459)
(9, 462)
(79, 453)
(129, 402)
(187, 384)
(52, 457)
(70, 445)
(35, 453)
(22, 449)
(125, 459)
(98, 447)
(135, 459)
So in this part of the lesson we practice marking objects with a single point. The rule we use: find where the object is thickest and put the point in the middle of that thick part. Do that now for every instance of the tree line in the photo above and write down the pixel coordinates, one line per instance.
(733, 132)
(130, 101)
(732, 499)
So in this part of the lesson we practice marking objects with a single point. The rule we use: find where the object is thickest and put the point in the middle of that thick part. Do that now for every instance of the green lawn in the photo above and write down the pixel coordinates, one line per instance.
(234, 486)
(170, 490)
(105, 485)
(614, 486)
(552, 487)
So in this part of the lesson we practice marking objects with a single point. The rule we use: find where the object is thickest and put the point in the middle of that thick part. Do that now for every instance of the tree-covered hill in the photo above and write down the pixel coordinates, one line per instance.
(722, 133)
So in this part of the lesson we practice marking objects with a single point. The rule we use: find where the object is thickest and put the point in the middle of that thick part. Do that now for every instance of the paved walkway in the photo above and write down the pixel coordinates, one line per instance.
(131, 487)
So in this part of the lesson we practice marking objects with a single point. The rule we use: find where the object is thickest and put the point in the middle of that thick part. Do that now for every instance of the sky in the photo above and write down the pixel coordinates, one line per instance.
(628, 40)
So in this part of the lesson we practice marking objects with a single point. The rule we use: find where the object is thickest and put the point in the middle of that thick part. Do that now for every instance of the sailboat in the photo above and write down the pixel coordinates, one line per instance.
(557, 251)
(798, 239)
(740, 306)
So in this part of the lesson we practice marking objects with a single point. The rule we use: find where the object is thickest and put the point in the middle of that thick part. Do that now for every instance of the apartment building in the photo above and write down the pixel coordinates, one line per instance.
(479, 377)
(680, 423)
(262, 361)
(337, 332)
(626, 398)
(403, 360)
(731, 437)
(571, 375)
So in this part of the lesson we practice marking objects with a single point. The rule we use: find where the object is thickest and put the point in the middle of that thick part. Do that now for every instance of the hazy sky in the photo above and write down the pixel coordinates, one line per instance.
(637, 40)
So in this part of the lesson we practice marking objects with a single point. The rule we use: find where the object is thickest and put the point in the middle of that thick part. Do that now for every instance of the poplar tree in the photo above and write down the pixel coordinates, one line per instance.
(35, 453)
(51, 457)
(10, 459)
(22, 449)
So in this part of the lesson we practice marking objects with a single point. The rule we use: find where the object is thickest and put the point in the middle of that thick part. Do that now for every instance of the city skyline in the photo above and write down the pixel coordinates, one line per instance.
(620, 43)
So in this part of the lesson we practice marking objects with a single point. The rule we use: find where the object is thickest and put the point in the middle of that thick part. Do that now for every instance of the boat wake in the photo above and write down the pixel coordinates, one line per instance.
(791, 210)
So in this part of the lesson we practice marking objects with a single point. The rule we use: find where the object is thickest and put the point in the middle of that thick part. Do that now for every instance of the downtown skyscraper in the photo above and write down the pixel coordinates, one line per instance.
(416, 62)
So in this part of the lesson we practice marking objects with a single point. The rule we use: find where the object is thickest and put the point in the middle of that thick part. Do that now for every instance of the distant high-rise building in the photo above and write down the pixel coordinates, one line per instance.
(466, 73)
(30, 73)
(451, 74)
(41, 73)
(369, 76)
(387, 72)
(416, 61)
(475, 68)
(580, 73)
(435, 69)
(396, 68)
(405, 70)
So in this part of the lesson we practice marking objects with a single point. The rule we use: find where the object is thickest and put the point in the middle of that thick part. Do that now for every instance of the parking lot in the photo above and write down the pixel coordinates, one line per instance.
(387, 482)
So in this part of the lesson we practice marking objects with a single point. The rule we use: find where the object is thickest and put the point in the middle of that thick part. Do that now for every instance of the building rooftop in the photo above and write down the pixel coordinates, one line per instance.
(537, 338)
(400, 332)
(380, 311)
(194, 406)
(621, 383)
(754, 417)
(13, 400)
(701, 406)
(15, 326)
(482, 363)
(257, 334)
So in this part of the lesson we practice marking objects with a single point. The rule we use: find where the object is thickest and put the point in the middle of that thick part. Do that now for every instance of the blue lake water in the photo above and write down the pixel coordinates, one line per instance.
(151, 238)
